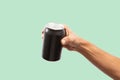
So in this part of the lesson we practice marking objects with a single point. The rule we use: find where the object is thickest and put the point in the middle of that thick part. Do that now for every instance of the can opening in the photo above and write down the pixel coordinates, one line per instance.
(55, 26)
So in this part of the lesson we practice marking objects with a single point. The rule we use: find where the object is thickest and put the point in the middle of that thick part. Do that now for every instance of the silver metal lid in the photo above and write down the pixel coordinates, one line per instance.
(55, 26)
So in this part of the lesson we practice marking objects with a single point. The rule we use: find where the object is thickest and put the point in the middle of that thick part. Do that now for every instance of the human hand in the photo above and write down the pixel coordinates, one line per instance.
(71, 41)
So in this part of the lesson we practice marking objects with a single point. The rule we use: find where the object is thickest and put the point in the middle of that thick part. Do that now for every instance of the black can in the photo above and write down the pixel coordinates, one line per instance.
(52, 41)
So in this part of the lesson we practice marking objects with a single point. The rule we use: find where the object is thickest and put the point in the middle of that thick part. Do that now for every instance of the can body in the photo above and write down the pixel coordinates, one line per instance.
(52, 44)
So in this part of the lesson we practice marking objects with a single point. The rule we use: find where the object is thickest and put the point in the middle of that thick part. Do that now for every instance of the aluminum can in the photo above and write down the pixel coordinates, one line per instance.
(52, 47)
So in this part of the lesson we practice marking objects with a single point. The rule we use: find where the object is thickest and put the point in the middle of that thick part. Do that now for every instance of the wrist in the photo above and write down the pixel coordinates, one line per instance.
(82, 45)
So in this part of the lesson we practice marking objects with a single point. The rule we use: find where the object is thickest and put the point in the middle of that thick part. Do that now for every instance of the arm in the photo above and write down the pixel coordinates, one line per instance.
(107, 63)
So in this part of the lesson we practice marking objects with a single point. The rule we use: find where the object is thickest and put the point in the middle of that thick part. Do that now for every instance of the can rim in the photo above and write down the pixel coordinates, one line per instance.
(55, 26)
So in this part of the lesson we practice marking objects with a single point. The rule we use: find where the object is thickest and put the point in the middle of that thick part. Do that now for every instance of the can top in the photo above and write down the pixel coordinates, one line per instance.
(55, 26)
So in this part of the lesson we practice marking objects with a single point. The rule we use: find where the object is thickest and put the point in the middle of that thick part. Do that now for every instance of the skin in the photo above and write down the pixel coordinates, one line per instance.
(106, 62)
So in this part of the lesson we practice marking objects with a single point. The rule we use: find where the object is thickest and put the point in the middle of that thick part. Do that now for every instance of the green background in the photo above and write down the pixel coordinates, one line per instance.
(21, 22)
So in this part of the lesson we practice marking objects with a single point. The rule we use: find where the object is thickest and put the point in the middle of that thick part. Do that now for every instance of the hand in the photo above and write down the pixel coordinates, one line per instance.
(70, 41)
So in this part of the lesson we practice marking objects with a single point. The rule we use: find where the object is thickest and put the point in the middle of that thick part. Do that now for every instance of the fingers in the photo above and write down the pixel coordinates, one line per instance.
(67, 28)
(65, 41)
(67, 44)
(68, 40)
(43, 33)
(42, 36)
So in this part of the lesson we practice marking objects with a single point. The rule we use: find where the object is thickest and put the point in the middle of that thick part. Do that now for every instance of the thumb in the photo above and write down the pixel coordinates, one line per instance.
(65, 41)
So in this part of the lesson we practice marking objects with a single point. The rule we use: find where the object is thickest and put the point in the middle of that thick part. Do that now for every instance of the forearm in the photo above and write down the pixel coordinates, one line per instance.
(107, 63)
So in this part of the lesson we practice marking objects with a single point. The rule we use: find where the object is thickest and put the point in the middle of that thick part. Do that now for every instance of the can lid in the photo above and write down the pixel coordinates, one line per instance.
(55, 26)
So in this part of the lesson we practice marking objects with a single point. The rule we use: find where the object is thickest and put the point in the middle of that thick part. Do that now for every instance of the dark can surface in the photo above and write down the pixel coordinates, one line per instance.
(52, 41)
